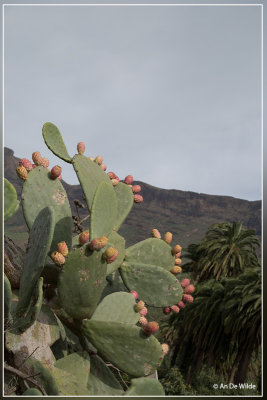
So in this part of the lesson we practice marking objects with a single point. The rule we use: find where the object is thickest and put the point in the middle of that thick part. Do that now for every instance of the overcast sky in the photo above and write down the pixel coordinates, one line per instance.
(170, 95)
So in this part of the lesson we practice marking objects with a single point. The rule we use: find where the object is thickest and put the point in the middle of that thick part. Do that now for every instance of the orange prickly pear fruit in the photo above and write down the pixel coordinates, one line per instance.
(176, 249)
(187, 298)
(22, 172)
(55, 172)
(98, 243)
(165, 348)
(45, 162)
(113, 258)
(81, 148)
(178, 261)
(151, 327)
(103, 166)
(176, 270)
(189, 289)
(84, 237)
(99, 160)
(37, 158)
(178, 255)
(58, 258)
(168, 237)
(26, 163)
(128, 179)
(156, 234)
(114, 182)
(136, 188)
(175, 308)
(63, 248)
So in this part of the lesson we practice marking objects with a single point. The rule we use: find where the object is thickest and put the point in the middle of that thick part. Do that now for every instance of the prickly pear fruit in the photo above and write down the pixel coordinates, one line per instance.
(98, 243)
(114, 182)
(37, 158)
(185, 282)
(45, 162)
(84, 237)
(81, 147)
(111, 175)
(139, 306)
(165, 348)
(138, 198)
(151, 327)
(58, 258)
(128, 179)
(181, 304)
(189, 289)
(63, 248)
(136, 188)
(175, 308)
(22, 172)
(135, 294)
(142, 321)
(103, 166)
(113, 258)
(156, 234)
(178, 261)
(143, 312)
(178, 255)
(99, 160)
(176, 249)
(55, 172)
(168, 237)
(167, 310)
(175, 270)
(110, 251)
(26, 163)
(91, 158)
(187, 298)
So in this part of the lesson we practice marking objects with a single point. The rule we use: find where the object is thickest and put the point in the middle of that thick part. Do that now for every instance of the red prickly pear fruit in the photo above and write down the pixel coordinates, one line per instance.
(26, 163)
(175, 308)
(139, 306)
(151, 327)
(165, 348)
(58, 258)
(168, 237)
(143, 312)
(136, 188)
(103, 166)
(156, 234)
(176, 249)
(62, 248)
(185, 282)
(189, 289)
(135, 294)
(176, 270)
(111, 175)
(178, 261)
(128, 179)
(45, 162)
(113, 258)
(178, 255)
(116, 177)
(167, 310)
(99, 160)
(181, 304)
(37, 158)
(22, 172)
(142, 321)
(114, 182)
(55, 172)
(81, 148)
(187, 298)
(138, 198)
(84, 237)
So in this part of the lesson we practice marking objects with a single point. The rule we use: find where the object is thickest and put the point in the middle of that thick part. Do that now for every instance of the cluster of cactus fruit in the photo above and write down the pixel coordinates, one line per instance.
(111, 327)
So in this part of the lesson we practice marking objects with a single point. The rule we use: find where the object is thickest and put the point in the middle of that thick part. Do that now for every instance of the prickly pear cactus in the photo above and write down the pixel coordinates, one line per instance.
(83, 300)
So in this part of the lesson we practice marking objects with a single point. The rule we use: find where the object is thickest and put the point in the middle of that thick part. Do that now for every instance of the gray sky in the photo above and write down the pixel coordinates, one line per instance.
(171, 95)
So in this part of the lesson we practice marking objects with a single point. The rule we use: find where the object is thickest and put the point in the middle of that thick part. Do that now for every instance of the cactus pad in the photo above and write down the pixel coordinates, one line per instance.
(125, 202)
(154, 285)
(145, 387)
(117, 307)
(38, 191)
(11, 204)
(54, 141)
(151, 251)
(7, 300)
(81, 281)
(125, 346)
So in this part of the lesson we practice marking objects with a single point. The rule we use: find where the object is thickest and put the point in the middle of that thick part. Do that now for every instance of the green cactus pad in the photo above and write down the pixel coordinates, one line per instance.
(118, 242)
(81, 281)
(103, 211)
(125, 346)
(42, 374)
(117, 307)
(90, 174)
(36, 304)
(7, 301)
(101, 381)
(125, 202)
(54, 141)
(151, 251)
(38, 192)
(145, 387)
(11, 203)
(38, 246)
(154, 285)
(32, 392)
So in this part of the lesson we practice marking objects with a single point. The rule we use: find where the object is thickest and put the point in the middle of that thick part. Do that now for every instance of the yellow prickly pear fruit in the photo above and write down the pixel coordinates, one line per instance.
(37, 158)
(139, 306)
(156, 234)
(99, 160)
(176, 249)
(165, 348)
(81, 147)
(178, 261)
(22, 172)
(84, 237)
(58, 258)
(110, 251)
(176, 270)
(168, 237)
(63, 248)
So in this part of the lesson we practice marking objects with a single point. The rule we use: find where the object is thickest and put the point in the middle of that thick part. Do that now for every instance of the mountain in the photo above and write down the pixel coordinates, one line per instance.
(187, 215)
